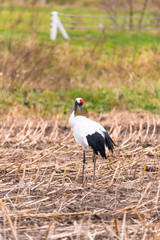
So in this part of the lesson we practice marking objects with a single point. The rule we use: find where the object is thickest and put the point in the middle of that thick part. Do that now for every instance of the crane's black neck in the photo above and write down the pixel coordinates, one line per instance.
(75, 107)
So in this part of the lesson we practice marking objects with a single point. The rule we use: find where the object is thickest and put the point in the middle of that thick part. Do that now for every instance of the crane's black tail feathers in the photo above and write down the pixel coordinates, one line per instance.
(109, 142)
(97, 142)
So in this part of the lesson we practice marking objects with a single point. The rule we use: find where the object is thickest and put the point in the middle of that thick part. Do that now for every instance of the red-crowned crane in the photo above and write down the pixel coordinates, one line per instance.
(89, 133)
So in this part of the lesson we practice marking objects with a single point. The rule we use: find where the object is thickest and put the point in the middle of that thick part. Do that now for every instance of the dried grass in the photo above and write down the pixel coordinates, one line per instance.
(40, 66)
(41, 195)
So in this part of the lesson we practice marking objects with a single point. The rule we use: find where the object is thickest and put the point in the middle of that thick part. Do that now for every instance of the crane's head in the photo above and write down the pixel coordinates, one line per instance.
(79, 102)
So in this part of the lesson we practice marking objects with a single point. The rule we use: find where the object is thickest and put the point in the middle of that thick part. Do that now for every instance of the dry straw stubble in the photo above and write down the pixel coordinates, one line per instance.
(40, 184)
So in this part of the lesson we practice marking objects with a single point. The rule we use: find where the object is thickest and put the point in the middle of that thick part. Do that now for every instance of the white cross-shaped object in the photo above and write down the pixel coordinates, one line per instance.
(56, 24)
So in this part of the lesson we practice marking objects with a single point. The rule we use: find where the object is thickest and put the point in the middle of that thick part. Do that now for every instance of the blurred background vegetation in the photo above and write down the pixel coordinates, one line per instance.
(109, 69)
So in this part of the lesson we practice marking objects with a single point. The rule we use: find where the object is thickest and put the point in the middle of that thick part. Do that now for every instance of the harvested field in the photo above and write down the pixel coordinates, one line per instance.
(41, 195)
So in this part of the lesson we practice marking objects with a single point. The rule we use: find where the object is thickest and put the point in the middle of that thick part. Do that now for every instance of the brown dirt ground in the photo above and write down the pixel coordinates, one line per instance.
(41, 195)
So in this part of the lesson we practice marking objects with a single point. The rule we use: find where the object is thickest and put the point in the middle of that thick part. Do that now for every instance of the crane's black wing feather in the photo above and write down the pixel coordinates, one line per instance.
(97, 142)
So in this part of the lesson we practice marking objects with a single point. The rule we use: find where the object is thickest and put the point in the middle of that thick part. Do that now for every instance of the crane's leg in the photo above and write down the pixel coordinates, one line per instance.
(94, 161)
(84, 161)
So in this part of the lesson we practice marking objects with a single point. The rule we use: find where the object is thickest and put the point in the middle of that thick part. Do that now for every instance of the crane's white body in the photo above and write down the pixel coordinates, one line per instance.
(89, 133)
(82, 127)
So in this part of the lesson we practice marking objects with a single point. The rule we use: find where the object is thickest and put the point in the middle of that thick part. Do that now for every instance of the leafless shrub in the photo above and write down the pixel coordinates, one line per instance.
(128, 10)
